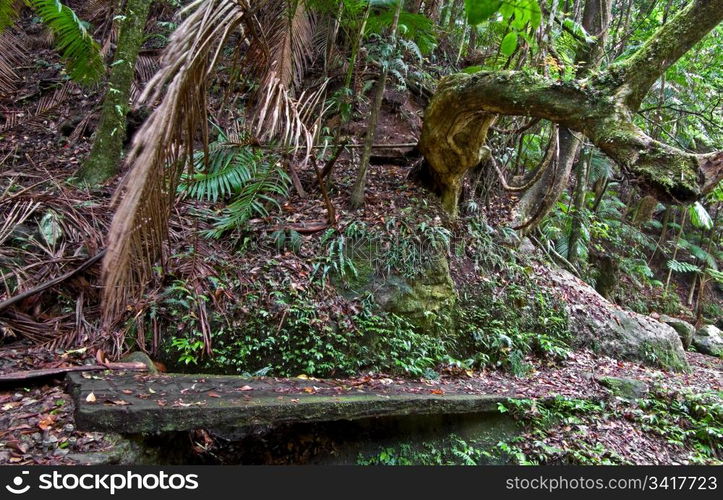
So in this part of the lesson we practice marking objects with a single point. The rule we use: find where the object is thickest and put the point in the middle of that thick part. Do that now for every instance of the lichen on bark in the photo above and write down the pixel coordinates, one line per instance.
(110, 135)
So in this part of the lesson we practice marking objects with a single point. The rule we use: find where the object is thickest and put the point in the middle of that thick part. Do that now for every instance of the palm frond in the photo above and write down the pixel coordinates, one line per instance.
(72, 40)
(11, 54)
(284, 118)
(682, 267)
(284, 43)
(8, 13)
(223, 171)
(417, 28)
(162, 146)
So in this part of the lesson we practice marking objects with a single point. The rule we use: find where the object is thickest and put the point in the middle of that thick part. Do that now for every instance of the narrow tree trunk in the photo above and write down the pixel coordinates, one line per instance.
(356, 45)
(357, 194)
(579, 206)
(683, 214)
(596, 19)
(105, 154)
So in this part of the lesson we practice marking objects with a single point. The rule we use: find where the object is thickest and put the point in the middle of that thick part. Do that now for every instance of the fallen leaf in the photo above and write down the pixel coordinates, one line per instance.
(214, 395)
(117, 402)
(46, 423)
(246, 388)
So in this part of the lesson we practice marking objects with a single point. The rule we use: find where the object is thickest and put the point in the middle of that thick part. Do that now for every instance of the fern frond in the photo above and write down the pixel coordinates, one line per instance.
(252, 199)
(682, 267)
(413, 27)
(72, 40)
(229, 167)
(716, 275)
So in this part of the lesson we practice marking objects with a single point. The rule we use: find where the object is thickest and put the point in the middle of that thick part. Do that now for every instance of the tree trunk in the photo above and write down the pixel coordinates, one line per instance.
(105, 154)
(578, 207)
(357, 194)
(602, 108)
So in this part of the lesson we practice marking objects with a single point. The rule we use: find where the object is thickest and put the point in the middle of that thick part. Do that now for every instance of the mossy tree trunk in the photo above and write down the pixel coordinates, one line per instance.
(105, 155)
(601, 107)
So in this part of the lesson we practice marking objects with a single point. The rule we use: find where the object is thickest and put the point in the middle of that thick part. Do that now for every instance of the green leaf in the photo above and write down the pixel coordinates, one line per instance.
(77, 47)
(480, 10)
(509, 43)
(535, 14)
(699, 216)
(682, 267)
(50, 227)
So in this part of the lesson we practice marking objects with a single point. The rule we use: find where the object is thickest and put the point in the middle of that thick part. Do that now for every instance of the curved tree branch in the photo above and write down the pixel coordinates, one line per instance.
(602, 108)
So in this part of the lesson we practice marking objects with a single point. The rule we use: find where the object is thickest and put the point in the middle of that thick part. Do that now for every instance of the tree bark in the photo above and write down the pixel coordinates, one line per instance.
(357, 194)
(602, 108)
(578, 207)
(105, 154)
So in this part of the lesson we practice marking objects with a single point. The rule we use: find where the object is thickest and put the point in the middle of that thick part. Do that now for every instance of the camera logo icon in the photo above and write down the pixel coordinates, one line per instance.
(17, 487)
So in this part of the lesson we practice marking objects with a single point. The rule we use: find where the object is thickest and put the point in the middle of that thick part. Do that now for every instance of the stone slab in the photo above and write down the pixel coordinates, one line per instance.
(132, 403)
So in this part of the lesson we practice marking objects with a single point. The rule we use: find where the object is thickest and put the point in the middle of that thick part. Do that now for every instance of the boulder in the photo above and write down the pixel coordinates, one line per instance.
(606, 328)
(709, 340)
(423, 299)
(431, 291)
(684, 329)
(626, 388)
(141, 357)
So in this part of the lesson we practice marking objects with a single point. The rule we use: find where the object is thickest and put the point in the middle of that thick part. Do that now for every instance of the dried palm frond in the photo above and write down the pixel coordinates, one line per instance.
(15, 216)
(162, 148)
(11, 55)
(282, 43)
(286, 119)
(164, 145)
(46, 105)
(49, 102)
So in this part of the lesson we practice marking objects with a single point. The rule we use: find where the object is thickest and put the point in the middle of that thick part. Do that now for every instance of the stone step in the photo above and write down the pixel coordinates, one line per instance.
(132, 403)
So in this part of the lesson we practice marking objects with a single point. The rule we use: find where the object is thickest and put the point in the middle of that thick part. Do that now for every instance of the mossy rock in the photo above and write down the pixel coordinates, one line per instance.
(685, 330)
(626, 388)
(709, 340)
(426, 300)
(141, 357)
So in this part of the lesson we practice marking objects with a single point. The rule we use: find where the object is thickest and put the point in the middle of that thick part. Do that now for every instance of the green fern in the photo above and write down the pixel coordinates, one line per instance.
(81, 53)
(716, 275)
(76, 46)
(682, 267)
(412, 27)
(228, 169)
(266, 181)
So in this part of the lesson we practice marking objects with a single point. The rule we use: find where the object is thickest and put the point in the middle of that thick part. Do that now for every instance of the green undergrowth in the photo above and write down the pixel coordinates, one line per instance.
(286, 324)
(277, 330)
(691, 423)
(505, 316)
(558, 431)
